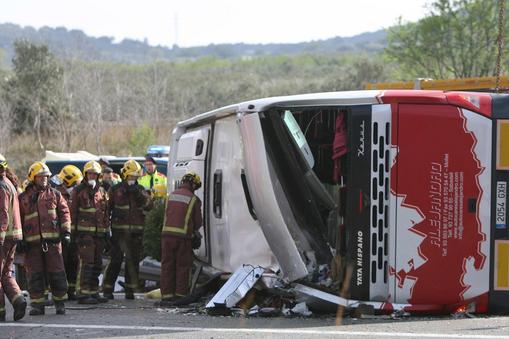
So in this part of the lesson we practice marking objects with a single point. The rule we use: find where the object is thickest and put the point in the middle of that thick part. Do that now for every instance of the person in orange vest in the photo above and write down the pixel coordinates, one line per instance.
(65, 182)
(46, 222)
(90, 222)
(10, 236)
(183, 218)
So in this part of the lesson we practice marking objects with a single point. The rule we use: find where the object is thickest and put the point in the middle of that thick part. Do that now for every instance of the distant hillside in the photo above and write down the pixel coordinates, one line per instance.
(76, 44)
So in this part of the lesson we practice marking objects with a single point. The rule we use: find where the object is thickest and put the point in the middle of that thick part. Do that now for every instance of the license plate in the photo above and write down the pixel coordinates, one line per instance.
(501, 205)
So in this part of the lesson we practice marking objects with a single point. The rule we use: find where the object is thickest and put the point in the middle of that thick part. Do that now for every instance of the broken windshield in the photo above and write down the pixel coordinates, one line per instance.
(298, 137)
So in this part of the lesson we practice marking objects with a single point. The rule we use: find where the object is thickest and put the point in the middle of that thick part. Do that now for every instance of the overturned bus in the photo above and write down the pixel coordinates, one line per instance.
(402, 195)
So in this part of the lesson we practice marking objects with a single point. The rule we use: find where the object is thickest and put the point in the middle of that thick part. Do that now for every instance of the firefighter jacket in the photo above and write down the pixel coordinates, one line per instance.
(183, 213)
(10, 222)
(153, 181)
(127, 205)
(44, 214)
(64, 192)
(89, 210)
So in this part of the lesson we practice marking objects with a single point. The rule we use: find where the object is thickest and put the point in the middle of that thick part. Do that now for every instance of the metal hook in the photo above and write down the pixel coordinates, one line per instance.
(44, 246)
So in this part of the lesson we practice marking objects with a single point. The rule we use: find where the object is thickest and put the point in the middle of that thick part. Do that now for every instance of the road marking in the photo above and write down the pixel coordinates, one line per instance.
(257, 330)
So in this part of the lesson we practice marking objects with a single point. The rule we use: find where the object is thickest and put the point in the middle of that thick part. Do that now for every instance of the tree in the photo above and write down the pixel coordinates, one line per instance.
(35, 90)
(457, 38)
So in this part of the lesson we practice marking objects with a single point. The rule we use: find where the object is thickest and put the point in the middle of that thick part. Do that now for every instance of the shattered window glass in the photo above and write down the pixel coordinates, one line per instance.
(298, 137)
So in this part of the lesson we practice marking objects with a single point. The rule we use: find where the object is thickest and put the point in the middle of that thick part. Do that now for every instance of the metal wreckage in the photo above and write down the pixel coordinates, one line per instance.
(385, 201)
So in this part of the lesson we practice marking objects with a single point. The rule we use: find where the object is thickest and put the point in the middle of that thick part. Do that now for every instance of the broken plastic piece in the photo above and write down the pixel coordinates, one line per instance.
(302, 309)
(236, 287)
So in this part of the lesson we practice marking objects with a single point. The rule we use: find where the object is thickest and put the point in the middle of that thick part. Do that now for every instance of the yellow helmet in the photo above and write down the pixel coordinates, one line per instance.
(192, 178)
(3, 162)
(24, 185)
(131, 167)
(159, 191)
(92, 166)
(70, 175)
(38, 168)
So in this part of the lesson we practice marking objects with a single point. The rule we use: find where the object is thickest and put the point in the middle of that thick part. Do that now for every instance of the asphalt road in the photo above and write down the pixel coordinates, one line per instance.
(140, 319)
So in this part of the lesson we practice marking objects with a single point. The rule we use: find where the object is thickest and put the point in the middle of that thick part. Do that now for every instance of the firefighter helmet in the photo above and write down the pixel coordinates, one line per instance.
(38, 168)
(3, 162)
(92, 166)
(131, 167)
(159, 191)
(192, 178)
(70, 175)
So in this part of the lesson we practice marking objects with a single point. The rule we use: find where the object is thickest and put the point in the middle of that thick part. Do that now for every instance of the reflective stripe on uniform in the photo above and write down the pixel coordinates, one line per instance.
(48, 235)
(45, 235)
(127, 227)
(66, 225)
(14, 234)
(180, 198)
(38, 300)
(62, 298)
(86, 228)
(31, 216)
(88, 210)
(52, 212)
(33, 238)
(182, 230)
(122, 207)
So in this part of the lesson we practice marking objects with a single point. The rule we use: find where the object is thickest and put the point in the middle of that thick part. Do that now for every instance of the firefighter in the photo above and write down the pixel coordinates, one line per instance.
(46, 222)
(153, 181)
(128, 201)
(115, 178)
(69, 178)
(182, 220)
(10, 236)
(90, 222)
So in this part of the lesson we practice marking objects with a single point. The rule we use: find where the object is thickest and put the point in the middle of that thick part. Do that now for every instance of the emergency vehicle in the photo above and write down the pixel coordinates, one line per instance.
(400, 194)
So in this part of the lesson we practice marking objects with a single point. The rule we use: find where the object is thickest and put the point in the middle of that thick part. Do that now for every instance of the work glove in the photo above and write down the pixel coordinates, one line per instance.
(196, 240)
(66, 238)
(21, 246)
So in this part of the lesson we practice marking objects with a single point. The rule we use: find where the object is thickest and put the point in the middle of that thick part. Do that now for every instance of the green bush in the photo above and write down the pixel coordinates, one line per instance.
(140, 138)
(153, 226)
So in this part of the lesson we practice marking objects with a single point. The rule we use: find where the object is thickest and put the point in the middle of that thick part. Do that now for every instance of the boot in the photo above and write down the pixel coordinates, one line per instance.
(2, 316)
(60, 307)
(37, 309)
(165, 302)
(129, 295)
(100, 299)
(108, 295)
(89, 300)
(20, 307)
(71, 295)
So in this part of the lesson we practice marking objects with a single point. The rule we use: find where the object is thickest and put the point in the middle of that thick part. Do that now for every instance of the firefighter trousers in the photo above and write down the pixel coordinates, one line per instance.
(70, 254)
(8, 285)
(176, 264)
(129, 246)
(90, 250)
(44, 263)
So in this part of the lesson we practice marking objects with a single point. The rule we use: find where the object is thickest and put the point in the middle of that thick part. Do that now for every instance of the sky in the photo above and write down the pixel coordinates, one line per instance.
(202, 22)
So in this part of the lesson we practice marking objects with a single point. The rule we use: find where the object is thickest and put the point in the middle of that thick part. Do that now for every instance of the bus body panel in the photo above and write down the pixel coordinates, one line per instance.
(443, 196)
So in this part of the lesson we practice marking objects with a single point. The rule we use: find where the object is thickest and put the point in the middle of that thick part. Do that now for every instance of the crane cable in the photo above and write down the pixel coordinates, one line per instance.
(500, 42)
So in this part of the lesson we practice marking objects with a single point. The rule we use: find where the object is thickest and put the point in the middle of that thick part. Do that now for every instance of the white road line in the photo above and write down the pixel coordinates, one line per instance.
(258, 330)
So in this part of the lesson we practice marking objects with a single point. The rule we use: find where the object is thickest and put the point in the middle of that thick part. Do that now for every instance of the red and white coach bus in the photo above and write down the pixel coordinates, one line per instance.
(400, 194)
